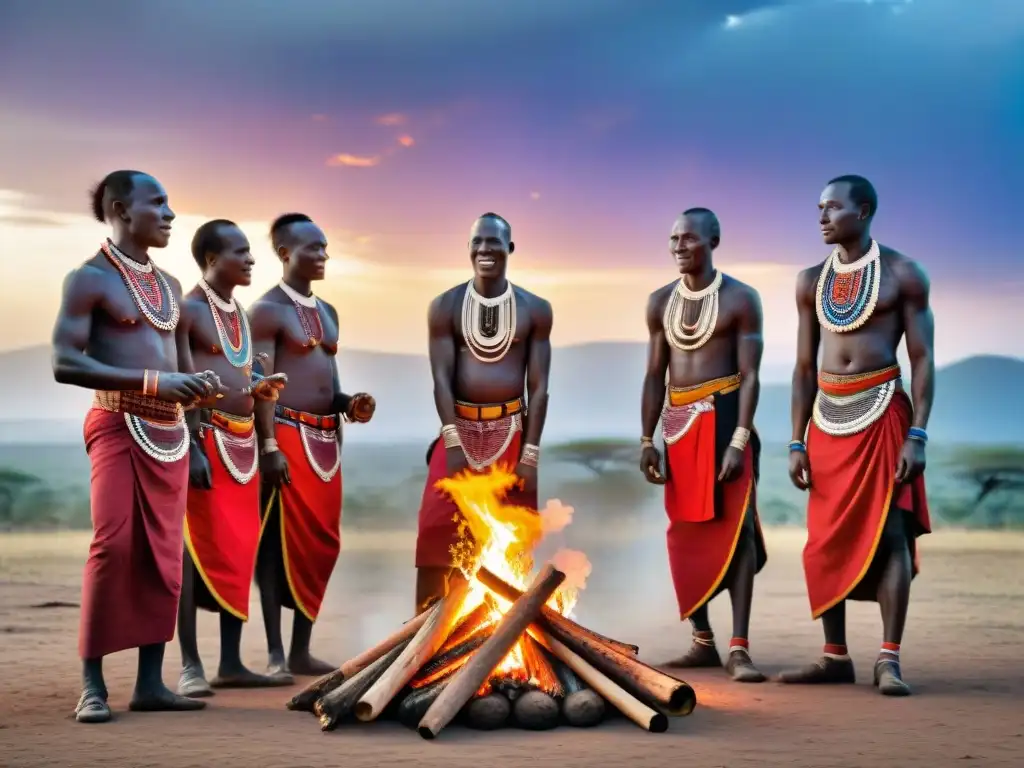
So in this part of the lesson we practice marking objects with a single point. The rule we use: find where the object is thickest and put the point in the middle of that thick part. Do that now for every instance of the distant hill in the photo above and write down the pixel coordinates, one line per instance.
(595, 391)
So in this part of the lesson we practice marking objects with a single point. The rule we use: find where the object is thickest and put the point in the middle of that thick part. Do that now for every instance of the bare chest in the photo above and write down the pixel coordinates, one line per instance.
(303, 328)
(490, 331)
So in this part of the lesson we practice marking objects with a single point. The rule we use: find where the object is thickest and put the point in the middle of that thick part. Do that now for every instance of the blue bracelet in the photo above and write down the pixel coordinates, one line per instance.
(797, 445)
(916, 433)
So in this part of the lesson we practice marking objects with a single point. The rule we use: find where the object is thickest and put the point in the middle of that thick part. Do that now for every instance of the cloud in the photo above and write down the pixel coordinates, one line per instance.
(406, 141)
(319, 118)
(353, 161)
(535, 195)
(392, 119)
(733, 21)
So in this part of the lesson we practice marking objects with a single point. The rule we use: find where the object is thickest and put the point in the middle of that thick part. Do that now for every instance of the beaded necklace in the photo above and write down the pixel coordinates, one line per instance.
(148, 287)
(687, 336)
(488, 325)
(848, 293)
(309, 314)
(236, 343)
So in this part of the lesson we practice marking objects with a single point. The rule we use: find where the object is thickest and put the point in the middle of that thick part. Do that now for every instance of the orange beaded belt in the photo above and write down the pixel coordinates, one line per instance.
(489, 412)
(309, 419)
(138, 404)
(680, 396)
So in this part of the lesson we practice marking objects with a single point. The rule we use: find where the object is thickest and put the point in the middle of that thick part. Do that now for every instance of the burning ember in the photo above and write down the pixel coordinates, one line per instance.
(499, 646)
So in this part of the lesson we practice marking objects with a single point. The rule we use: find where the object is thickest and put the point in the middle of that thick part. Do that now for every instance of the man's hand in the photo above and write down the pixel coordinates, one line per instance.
(456, 460)
(274, 469)
(199, 469)
(268, 387)
(732, 465)
(184, 388)
(361, 408)
(527, 474)
(650, 465)
(800, 469)
(912, 461)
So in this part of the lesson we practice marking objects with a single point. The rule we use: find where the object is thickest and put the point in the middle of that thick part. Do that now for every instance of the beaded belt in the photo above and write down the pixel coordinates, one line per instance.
(680, 396)
(137, 404)
(848, 404)
(327, 422)
(235, 438)
(489, 412)
(229, 422)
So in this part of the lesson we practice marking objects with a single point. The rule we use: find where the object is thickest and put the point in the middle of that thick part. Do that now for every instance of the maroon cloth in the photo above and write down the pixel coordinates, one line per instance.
(133, 575)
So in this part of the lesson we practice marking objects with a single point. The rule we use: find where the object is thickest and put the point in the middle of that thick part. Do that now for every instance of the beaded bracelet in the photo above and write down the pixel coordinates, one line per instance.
(450, 436)
(797, 445)
(916, 433)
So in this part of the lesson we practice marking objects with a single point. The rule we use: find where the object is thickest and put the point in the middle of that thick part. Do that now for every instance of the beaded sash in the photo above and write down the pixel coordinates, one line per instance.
(236, 446)
(484, 442)
(156, 426)
(322, 450)
(841, 415)
(676, 420)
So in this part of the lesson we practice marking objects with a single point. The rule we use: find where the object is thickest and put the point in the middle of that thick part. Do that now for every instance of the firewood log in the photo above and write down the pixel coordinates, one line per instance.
(336, 704)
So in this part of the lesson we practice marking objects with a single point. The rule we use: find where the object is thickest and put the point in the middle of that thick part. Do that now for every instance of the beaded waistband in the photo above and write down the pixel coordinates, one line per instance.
(137, 404)
(229, 422)
(840, 384)
(680, 396)
(290, 415)
(488, 412)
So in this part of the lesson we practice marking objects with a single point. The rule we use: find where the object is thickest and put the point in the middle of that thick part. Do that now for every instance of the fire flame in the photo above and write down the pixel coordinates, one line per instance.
(501, 538)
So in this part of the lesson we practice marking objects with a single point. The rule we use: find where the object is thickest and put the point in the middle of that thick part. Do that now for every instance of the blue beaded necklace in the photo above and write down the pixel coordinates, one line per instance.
(847, 293)
(238, 354)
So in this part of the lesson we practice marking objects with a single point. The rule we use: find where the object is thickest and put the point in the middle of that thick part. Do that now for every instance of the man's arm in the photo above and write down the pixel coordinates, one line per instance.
(263, 327)
(340, 401)
(71, 365)
(749, 348)
(653, 399)
(186, 365)
(538, 371)
(919, 328)
(442, 357)
(808, 338)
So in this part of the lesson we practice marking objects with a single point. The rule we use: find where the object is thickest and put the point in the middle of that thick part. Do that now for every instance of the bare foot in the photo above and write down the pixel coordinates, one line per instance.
(307, 665)
(825, 670)
(741, 668)
(162, 700)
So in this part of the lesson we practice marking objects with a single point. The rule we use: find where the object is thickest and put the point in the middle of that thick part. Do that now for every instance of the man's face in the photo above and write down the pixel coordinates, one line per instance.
(840, 219)
(147, 213)
(305, 253)
(233, 265)
(489, 248)
(690, 244)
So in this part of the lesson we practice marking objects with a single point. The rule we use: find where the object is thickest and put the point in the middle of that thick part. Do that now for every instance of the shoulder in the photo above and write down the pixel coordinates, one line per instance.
(263, 316)
(445, 301)
(329, 307)
(659, 297)
(741, 293)
(172, 281)
(538, 307)
(192, 304)
(910, 275)
(87, 277)
(807, 280)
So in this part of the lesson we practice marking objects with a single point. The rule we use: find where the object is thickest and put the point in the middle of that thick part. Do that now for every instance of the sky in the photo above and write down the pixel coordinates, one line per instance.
(589, 124)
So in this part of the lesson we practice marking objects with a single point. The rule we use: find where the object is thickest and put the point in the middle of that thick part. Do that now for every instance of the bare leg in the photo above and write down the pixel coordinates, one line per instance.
(151, 695)
(893, 600)
(741, 593)
(192, 682)
(269, 575)
(92, 706)
(232, 673)
(702, 651)
(300, 660)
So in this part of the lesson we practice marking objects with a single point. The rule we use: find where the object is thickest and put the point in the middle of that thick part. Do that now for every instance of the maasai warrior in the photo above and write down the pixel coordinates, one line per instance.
(489, 346)
(296, 333)
(863, 459)
(222, 520)
(115, 335)
(705, 333)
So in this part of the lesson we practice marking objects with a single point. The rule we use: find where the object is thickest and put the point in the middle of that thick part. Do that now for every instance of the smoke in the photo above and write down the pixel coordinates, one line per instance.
(555, 517)
(576, 567)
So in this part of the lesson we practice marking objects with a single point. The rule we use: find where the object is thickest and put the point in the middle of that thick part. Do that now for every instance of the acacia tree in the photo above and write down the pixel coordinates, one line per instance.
(998, 475)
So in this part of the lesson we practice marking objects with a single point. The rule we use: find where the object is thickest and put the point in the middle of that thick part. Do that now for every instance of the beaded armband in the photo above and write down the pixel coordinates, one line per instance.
(531, 455)
(916, 433)
(797, 445)
(450, 436)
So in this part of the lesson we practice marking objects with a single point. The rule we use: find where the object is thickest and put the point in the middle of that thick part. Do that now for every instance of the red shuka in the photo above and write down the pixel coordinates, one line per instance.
(132, 578)
(222, 525)
(439, 516)
(702, 535)
(852, 491)
(308, 511)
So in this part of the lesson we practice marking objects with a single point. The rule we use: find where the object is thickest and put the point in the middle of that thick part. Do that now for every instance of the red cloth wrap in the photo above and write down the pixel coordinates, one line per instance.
(132, 578)
(308, 511)
(852, 490)
(703, 531)
(439, 516)
(222, 532)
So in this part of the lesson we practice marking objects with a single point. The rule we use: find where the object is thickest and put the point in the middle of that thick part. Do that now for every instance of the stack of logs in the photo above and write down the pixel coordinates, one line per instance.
(438, 667)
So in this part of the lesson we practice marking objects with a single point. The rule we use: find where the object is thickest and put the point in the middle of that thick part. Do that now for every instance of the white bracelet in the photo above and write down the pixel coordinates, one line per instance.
(740, 438)
(450, 436)
(269, 446)
(531, 455)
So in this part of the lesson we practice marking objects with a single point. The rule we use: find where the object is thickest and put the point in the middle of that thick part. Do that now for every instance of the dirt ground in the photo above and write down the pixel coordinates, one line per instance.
(961, 653)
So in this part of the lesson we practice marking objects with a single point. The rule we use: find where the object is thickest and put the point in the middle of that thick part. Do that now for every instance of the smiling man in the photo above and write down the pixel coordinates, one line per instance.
(222, 521)
(296, 333)
(706, 342)
(490, 356)
(115, 334)
(858, 444)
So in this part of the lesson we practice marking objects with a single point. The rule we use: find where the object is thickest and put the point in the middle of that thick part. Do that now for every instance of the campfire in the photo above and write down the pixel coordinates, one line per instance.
(499, 648)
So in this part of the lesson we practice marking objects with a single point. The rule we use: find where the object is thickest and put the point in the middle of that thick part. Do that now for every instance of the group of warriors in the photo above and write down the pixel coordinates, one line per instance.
(215, 435)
